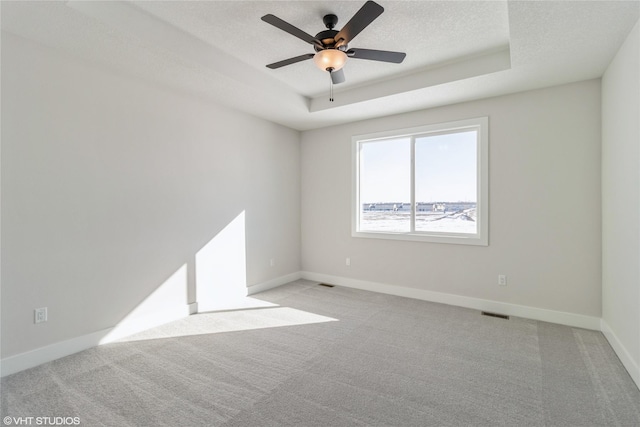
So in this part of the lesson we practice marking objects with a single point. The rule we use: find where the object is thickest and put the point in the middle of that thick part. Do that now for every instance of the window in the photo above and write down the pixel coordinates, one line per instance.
(427, 183)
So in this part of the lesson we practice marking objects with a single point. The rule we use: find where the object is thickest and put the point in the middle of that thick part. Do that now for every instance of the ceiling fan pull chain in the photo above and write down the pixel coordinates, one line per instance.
(330, 86)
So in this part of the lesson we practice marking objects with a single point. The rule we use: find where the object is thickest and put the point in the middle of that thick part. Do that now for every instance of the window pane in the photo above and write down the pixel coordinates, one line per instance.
(446, 183)
(385, 186)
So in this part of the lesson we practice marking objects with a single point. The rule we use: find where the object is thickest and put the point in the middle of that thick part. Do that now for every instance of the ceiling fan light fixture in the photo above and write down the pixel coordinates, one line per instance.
(333, 59)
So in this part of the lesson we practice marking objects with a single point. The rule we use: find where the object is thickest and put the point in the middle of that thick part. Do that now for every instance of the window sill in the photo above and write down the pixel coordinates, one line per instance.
(455, 239)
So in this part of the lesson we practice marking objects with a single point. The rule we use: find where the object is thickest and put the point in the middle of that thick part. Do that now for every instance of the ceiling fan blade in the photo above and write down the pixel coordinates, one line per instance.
(337, 76)
(365, 16)
(290, 61)
(294, 31)
(377, 55)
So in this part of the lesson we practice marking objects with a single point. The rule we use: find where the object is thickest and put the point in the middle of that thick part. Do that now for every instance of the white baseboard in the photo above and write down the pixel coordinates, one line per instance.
(552, 316)
(29, 359)
(38, 356)
(193, 307)
(274, 283)
(20, 362)
(624, 356)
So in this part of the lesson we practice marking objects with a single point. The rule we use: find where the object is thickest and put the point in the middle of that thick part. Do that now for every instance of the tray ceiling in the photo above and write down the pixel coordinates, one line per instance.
(456, 50)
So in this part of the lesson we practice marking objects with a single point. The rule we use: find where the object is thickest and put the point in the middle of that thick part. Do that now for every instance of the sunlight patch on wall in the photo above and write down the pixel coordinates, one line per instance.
(167, 303)
(221, 284)
(221, 269)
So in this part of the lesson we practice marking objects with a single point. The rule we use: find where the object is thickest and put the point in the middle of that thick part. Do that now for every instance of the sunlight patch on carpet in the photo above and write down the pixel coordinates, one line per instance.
(231, 321)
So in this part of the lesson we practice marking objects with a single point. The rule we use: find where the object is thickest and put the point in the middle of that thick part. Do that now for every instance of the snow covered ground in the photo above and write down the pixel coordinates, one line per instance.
(449, 222)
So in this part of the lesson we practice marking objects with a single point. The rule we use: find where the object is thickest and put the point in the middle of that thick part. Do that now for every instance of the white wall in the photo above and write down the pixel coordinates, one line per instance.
(544, 220)
(621, 203)
(111, 187)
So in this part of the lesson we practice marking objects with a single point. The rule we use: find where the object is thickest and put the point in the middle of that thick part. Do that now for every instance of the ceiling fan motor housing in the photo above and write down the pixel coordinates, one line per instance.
(327, 37)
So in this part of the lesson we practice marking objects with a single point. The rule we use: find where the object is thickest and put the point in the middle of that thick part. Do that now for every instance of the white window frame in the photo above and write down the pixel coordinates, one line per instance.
(481, 238)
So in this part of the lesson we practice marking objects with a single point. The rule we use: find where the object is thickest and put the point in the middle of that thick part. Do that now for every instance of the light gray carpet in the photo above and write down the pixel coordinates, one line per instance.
(337, 357)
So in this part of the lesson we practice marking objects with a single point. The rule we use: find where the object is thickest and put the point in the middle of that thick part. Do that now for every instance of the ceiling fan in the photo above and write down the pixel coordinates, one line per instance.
(331, 46)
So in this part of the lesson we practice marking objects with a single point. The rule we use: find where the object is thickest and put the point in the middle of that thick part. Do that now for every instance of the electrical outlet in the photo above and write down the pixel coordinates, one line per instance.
(502, 280)
(272, 262)
(348, 262)
(40, 315)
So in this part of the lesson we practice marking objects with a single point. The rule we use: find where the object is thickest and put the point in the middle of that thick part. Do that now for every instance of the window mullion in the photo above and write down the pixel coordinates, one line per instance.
(412, 210)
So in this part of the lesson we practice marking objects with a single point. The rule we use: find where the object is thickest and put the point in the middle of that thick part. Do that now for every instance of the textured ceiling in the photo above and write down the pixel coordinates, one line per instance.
(443, 31)
(456, 50)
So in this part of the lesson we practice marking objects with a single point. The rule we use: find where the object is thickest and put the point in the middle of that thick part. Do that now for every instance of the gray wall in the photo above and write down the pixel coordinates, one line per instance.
(111, 186)
(544, 219)
(621, 203)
